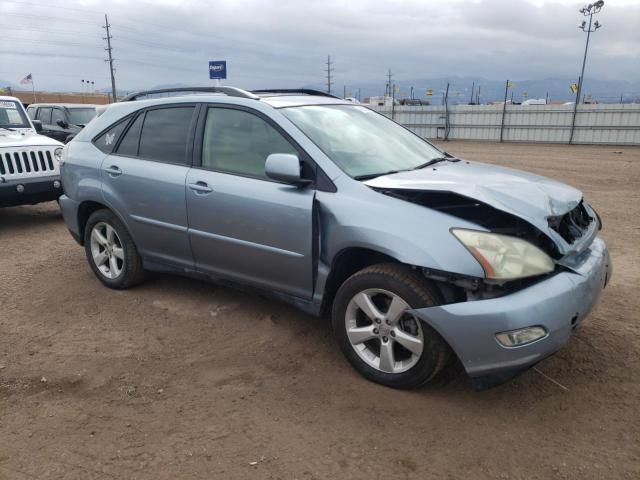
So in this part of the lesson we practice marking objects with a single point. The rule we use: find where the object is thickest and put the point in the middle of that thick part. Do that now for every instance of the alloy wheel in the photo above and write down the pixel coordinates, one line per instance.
(106, 250)
(382, 331)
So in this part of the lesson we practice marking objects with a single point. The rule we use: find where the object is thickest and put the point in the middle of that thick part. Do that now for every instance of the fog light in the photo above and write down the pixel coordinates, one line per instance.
(517, 338)
(56, 184)
(20, 188)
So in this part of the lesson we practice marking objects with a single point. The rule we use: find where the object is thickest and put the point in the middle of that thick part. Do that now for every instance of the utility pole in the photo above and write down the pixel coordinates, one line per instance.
(110, 59)
(473, 87)
(344, 91)
(388, 90)
(329, 72)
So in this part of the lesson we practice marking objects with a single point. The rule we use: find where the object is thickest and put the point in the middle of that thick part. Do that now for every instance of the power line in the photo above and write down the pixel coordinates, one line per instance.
(46, 54)
(47, 42)
(122, 18)
(47, 17)
(25, 28)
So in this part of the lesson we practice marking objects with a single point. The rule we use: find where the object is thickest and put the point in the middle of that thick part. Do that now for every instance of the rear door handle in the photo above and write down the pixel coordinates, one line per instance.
(113, 170)
(200, 187)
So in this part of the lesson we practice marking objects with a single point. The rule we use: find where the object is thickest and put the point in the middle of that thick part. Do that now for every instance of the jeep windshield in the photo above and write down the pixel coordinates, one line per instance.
(362, 142)
(12, 115)
(82, 116)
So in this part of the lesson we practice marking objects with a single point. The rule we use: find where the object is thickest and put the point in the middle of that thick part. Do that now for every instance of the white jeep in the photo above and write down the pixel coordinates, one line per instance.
(29, 162)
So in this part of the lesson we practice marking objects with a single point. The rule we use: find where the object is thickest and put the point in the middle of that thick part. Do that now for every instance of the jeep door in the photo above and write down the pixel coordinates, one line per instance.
(59, 125)
(144, 181)
(44, 115)
(243, 225)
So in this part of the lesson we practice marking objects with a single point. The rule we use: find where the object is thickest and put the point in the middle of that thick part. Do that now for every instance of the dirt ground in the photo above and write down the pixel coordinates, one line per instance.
(179, 379)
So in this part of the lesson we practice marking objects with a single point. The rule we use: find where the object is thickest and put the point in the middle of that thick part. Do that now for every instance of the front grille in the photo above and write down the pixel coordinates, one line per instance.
(27, 163)
(573, 224)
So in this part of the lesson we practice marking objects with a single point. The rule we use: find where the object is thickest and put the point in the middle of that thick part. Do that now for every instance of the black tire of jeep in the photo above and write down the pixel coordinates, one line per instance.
(133, 273)
(418, 292)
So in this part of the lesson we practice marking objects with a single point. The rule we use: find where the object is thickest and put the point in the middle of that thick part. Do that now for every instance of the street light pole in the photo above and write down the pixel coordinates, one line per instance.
(588, 11)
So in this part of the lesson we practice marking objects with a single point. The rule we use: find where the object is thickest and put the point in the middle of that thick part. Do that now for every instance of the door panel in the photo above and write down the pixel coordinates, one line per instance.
(58, 132)
(150, 192)
(151, 197)
(254, 231)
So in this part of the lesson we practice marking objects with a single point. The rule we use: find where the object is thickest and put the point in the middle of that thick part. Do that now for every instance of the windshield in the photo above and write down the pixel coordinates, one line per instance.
(81, 116)
(12, 115)
(360, 141)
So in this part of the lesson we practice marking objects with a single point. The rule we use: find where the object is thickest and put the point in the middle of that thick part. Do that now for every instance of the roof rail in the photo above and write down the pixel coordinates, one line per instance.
(229, 91)
(302, 91)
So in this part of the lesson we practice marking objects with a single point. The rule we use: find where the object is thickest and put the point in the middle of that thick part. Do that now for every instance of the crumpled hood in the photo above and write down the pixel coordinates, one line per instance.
(17, 139)
(528, 196)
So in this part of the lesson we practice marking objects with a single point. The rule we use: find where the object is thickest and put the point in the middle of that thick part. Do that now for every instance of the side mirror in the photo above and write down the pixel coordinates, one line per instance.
(284, 167)
(37, 124)
(62, 124)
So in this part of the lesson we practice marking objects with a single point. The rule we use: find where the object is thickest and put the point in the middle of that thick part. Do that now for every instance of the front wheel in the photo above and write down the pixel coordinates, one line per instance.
(378, 334)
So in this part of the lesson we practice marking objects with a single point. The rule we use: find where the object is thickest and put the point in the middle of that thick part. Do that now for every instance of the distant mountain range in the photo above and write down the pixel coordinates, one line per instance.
(460, 88)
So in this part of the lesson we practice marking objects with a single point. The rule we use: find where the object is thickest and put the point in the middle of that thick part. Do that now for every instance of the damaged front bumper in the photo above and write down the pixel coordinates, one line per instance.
(559, 304)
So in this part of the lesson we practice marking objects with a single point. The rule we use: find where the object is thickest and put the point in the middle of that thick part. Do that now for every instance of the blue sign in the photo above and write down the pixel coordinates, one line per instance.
(217, 70)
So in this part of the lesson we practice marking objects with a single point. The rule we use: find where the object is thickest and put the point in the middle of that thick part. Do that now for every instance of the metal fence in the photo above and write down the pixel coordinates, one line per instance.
(615, 124)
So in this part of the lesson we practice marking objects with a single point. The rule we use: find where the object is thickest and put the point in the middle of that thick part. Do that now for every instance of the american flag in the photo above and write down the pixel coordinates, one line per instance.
(27, 79)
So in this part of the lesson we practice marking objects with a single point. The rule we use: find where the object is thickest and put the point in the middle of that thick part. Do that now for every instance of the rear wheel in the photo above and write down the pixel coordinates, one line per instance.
(111, 252)
(377, 332)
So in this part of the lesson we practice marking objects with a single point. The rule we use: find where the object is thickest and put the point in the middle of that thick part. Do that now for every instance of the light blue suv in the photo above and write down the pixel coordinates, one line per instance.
(418, 257)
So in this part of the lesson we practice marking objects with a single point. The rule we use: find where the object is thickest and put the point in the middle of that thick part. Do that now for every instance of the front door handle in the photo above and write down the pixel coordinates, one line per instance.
(113, 170)
(200, 187)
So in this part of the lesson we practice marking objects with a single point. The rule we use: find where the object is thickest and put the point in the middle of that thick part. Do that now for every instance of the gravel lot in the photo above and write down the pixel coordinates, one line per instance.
(182, 379)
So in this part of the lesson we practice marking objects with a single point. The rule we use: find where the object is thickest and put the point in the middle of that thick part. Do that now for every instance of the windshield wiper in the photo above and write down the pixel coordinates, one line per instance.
(7, 128)
(433, 161)
(369, 176)
(447, 158)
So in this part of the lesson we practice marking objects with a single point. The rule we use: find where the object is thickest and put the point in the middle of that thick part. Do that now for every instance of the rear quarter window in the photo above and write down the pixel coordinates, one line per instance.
(107, 141)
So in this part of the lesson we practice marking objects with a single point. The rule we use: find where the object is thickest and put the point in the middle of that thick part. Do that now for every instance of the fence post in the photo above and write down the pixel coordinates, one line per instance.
(504, 109)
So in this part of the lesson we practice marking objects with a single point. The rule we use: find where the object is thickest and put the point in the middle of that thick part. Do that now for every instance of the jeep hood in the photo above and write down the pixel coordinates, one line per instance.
(18, 139)
(528, 196)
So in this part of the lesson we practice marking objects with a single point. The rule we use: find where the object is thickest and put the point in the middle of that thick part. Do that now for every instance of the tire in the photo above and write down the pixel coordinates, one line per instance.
(358, 335)
(111, 252)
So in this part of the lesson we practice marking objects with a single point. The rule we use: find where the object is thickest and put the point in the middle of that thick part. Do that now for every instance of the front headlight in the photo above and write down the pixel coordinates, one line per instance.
(504, 257)
(58, 155)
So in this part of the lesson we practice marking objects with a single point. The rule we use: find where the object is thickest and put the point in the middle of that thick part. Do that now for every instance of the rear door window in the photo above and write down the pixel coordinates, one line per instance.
(165, 134)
